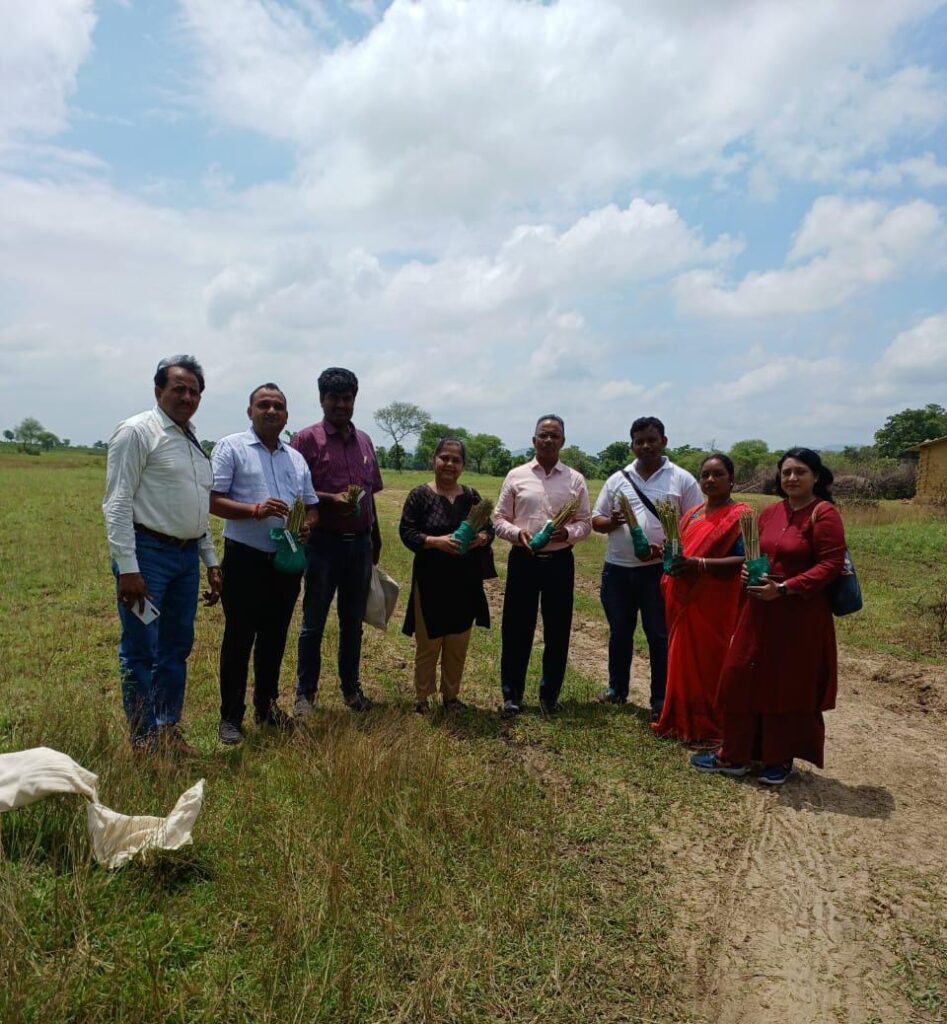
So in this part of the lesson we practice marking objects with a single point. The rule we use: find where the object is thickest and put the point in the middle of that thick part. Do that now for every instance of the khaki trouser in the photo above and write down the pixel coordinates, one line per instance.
(452, 650)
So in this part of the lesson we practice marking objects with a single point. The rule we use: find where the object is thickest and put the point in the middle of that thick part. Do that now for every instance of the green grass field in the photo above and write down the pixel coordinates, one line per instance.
(374, 868)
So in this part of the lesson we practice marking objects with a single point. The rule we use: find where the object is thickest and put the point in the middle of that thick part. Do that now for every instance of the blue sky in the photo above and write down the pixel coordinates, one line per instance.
(729, 215)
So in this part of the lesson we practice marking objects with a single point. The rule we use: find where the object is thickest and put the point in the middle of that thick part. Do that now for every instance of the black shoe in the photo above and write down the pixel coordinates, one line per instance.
(454, 705)
(303, 706)
(548, 707)
(421, 707)
(609, 696)
(229, 733)
(275, 718)
(510, 707)
(656, 714)
(358, 701)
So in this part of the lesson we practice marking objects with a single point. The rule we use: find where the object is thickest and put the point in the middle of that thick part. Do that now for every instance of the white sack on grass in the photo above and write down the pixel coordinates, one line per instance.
(382, 598)
(30, 775)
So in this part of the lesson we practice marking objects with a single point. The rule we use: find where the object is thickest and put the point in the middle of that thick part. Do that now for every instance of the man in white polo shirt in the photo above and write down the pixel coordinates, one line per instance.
(256, 480)
(157, 493)
(629, 585)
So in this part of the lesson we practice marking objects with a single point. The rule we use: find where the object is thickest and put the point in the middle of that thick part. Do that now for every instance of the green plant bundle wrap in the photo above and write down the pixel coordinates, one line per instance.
(640, 543)
(464, 534)
(672, 550)
(756, 568)
(290, 555)
(540, 539)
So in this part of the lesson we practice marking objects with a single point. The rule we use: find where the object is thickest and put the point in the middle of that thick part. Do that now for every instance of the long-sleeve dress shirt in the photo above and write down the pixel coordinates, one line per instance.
(157, 478)
(530, 497)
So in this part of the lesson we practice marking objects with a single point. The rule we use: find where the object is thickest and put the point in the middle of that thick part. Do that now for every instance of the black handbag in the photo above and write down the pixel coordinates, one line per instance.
(844, 593)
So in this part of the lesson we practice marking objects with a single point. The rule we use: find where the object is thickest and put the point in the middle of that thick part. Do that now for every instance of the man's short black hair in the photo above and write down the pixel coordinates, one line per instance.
(269, 386)
(336, 381)
(188, 363)
(551, 416)
(645, 423)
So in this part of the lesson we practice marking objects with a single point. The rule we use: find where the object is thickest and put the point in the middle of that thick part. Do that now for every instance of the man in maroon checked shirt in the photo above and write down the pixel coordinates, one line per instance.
(344, 545)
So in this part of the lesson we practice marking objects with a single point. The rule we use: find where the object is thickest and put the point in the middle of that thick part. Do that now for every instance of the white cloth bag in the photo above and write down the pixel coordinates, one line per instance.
(382, 598)
(30, 775)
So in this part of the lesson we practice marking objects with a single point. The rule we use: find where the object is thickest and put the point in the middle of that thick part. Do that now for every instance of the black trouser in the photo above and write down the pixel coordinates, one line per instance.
(534, 582)
(258, 606)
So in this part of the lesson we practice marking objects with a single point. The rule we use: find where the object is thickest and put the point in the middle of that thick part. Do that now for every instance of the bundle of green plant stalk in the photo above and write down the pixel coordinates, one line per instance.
(296, 517)
(757, 565)
(541, 538)
(639, 541)
(476, 520)
(290, 556)
(671, 524)
(352, 499)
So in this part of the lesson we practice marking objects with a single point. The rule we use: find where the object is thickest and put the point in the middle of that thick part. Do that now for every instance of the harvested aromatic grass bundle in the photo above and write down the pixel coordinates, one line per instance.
(477, 519)
(671, 524)
(639, 541)
(757, 565)
(297, 516)
(563, 516)
(352, 499)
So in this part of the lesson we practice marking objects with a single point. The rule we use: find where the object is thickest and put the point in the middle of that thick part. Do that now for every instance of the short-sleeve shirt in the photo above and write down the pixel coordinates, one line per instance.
(335, 465)
(668, 482)
(246, 470)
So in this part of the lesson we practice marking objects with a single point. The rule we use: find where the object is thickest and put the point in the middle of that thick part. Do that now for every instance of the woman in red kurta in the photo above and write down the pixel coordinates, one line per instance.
(701, 599)
(780, 673)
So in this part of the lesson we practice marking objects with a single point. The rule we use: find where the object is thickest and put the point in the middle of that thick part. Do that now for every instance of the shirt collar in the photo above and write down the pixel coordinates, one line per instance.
(254, 438)
(558, 468)
(166, 420)
(330, 429)
(665, 462)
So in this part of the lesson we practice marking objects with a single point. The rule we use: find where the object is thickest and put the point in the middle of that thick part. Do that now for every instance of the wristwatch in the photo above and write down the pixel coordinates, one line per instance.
(783, 592)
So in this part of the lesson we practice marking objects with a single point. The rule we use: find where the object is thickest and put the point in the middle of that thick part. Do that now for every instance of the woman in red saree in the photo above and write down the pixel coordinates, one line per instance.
(780, 672)
(701, 599)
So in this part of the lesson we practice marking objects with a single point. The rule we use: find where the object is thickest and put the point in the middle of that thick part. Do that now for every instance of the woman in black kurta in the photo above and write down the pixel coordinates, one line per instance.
(447, 595)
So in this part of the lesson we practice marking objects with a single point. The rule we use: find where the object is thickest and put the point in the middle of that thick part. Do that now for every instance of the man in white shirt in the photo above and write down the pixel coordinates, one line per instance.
(630, 585)
(257, 479)
(157, 498)
(531, 495)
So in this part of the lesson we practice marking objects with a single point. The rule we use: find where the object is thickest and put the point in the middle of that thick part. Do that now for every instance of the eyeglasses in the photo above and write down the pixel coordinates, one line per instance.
(548, 437)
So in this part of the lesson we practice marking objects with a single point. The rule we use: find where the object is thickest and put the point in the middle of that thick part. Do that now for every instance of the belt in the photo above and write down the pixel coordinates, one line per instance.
(165, 539)
(544, 555)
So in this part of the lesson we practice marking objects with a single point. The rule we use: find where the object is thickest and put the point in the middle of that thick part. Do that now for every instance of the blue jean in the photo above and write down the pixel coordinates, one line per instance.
(626, 590)
(153, 659)
(335, 564)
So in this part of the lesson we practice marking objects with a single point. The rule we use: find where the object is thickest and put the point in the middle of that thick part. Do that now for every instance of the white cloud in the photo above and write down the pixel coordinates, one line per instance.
(451, 109)
(42, 46)
(847, 245)
(917, 355)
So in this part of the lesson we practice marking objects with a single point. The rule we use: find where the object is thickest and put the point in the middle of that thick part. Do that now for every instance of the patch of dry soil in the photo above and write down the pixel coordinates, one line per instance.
(791, 915)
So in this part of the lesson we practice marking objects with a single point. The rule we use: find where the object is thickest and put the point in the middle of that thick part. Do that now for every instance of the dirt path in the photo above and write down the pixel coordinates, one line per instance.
(797, 913)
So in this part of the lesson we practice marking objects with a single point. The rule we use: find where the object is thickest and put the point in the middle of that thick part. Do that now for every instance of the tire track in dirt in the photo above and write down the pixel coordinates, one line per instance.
(791, 914)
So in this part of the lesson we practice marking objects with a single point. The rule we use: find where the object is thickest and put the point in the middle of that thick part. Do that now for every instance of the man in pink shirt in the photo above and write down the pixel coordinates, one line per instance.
(531, 495)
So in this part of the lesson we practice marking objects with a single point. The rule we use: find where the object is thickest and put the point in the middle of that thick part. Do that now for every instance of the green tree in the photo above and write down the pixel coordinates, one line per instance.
(66, 442)
(47, 440)
(500, 462)
(749, 457)
(614, 457)
(381, 455)
(208, 446)
(9, 435)
(572, 455)
(909, 427)
(481, 449)
(400, 420)
(430, 434)
(28, 432)
(687, 457)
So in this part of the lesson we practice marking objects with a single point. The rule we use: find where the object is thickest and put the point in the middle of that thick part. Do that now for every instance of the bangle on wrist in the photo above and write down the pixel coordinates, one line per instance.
(701, 564)
(256, 510)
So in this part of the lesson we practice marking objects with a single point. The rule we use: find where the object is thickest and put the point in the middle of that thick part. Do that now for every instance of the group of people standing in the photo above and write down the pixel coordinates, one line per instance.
(720, 676)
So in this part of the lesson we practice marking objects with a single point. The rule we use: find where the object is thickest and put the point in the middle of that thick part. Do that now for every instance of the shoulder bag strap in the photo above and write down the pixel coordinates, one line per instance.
(645, 500)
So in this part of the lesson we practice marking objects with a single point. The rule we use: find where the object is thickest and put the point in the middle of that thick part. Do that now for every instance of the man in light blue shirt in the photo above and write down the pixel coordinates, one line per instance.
(256, 480)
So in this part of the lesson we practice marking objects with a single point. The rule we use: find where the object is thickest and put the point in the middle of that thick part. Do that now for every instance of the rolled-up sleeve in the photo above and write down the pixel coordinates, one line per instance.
(126, 460)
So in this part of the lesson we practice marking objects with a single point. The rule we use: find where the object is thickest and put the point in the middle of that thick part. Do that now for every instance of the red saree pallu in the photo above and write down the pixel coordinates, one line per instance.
(701, 613)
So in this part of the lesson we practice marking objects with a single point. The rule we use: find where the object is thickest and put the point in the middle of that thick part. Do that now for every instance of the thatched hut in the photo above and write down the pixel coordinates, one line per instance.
(931, 471)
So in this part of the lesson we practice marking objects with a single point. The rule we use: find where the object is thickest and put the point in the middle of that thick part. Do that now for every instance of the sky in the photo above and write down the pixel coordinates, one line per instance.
(729, 215)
